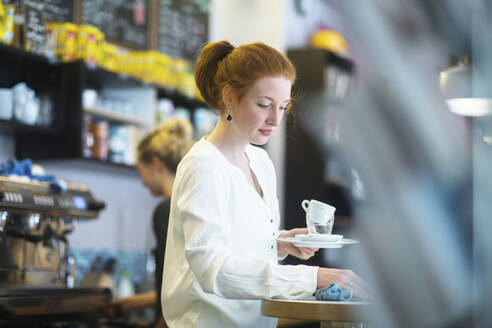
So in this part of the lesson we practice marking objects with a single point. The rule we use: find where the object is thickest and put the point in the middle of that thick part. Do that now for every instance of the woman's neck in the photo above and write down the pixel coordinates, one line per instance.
(167, 185)
(228, 141)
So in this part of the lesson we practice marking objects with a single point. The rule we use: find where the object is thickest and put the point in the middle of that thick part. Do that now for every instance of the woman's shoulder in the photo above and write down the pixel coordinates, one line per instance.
(200, 156)
(200, 149)
(199, 167)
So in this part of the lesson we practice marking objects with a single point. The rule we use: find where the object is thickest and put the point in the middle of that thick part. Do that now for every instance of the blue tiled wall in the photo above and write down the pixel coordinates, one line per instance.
(138, 264)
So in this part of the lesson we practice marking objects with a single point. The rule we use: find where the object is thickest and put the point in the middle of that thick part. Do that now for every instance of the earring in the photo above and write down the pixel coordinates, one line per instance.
(229, 117)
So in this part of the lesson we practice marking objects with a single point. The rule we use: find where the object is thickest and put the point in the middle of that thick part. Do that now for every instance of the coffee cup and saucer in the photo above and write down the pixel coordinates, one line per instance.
(320, 218)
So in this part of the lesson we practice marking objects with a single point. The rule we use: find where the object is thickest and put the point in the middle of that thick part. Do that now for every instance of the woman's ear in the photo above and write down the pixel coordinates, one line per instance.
(228, 96)
(160, 166)
(157, 163)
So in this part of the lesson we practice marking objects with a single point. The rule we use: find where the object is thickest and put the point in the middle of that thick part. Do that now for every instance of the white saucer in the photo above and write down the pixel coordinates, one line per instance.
(319, 237)
(319, 244)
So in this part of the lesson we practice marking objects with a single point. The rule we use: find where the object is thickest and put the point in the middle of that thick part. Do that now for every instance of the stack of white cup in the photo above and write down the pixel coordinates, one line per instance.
(6, 104)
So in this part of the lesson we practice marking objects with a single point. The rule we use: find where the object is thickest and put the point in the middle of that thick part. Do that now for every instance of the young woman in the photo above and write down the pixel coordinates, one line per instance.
(222, 250)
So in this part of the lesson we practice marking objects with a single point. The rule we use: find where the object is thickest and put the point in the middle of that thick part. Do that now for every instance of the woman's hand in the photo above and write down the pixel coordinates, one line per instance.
(346, 279)
(122, 306)
(285, 248)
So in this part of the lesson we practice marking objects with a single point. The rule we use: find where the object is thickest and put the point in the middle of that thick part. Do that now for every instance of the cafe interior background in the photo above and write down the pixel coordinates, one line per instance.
(391, 125)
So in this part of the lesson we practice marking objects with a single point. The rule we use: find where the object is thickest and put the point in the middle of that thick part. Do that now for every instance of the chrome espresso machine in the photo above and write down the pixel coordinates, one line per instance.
(36, 271)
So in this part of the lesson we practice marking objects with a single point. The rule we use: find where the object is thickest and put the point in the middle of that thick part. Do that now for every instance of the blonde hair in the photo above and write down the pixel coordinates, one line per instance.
(168, 142)
(221, 64)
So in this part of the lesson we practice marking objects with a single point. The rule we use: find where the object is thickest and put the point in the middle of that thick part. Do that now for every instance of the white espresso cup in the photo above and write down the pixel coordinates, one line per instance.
(320, 217)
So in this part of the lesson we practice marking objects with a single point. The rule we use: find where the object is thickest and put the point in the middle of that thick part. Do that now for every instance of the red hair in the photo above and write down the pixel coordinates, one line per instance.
(221, 64)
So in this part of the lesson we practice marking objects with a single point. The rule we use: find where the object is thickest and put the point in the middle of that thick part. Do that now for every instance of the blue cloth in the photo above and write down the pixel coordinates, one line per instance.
(12, 166)
(333, 293)
(24, 168)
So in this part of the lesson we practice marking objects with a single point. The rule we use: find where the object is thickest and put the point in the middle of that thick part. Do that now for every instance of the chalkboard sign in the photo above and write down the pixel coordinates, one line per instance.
(182, 27)
(34, 26)
(58, 10)
(122, 21)
(16, 3)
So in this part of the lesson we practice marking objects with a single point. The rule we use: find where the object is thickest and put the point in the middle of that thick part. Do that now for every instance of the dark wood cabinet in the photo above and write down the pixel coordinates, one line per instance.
(47, 79)
(61, 85)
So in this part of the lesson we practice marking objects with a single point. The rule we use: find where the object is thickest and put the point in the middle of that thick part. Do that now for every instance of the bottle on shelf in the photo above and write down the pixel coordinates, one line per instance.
(87, 137)
(100, 133)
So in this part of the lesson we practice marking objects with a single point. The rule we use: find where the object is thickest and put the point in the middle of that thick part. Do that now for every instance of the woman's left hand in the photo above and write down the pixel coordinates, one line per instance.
(285, 248)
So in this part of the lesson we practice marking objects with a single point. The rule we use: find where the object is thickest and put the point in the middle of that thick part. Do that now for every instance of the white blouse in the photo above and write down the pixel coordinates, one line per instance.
(221, 252)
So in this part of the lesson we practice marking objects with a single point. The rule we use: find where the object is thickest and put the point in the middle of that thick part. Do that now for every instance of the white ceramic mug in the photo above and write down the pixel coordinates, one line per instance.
(6, 104)
(320, 217)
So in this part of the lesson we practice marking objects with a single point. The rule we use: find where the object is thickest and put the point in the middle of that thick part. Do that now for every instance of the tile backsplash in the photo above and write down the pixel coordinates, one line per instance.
(139, 265)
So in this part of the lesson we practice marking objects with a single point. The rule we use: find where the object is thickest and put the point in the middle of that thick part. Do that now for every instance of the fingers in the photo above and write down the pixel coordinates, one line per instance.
(357, 289)
(359, 282)
(299, 231)
(360, 292)
(360, 285)
(346, 279)
(302, 253)
(307, 253)
(293, 232)
(350, 281)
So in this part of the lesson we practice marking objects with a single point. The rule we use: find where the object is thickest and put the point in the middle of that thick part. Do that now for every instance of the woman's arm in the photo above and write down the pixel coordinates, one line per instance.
(137, 301)
(202, 213)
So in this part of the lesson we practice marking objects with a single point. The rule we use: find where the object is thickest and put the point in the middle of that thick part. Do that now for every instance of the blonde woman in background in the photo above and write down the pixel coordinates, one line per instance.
(158, 155)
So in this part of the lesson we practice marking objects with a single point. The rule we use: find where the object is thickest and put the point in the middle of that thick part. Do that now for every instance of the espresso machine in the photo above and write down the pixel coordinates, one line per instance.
(36, 270)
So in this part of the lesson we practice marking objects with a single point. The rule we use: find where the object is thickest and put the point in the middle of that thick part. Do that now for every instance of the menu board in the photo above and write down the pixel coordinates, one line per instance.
(34, 25)
(58, 10)
(16, 3)
(182, 27)
(122, 21)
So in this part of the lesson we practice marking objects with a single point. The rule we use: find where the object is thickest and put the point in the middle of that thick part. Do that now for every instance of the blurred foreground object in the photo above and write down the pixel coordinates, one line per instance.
(416, 161)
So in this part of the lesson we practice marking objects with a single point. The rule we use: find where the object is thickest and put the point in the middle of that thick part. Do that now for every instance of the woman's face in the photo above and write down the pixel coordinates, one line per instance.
(150, 175)
(260, 110)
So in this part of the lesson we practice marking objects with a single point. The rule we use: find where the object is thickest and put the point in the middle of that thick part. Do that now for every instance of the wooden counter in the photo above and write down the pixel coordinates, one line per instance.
(324, 311)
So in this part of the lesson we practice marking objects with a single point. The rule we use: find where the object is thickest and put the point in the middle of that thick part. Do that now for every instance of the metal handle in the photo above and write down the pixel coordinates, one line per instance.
(305, 205)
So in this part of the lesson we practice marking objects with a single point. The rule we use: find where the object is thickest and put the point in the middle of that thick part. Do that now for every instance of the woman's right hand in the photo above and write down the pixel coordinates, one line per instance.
(346, 279)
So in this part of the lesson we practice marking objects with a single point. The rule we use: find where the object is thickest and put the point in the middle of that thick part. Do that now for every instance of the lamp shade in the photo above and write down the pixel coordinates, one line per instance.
(456, 82)
(474, 107)
(456, 86)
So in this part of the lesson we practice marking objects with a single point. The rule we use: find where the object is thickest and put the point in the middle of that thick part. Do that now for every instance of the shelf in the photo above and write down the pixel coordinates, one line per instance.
(20, 53)
(15, 127)
(112, 79)
(64, 84)
(101, 74)
(121, 80)
(180, 100)
(116, 117)
(83, 163)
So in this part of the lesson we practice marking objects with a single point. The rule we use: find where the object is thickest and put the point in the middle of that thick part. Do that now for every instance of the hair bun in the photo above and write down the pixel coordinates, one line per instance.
(181, 129)
(228, 48)
(206, 69)
(168, 142)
